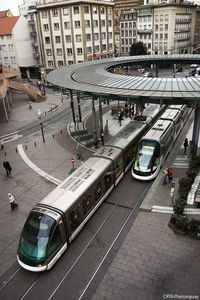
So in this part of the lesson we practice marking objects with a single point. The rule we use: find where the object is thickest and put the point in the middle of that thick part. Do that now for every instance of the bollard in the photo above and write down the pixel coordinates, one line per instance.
(61, 131)
(53, 136)
(2, 146)
(26, 147)
(35, 144)
(5, 153)
(16, 150)
(45, 113)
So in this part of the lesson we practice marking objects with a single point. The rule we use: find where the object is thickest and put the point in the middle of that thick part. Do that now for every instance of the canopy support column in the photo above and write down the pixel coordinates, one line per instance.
(195, 133)
(101, 122)
(79, 107)
(94, 123)
(72, 106)
(6, 114)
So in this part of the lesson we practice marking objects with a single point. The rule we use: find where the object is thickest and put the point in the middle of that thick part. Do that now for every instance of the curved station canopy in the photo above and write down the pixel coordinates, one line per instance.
(98, 79)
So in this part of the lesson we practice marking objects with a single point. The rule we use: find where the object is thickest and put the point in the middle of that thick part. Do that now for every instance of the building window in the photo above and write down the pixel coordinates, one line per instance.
(103, 23)
(88, 37)
(96, 36)
(76, 10)
(110, 46)
(166, 26)
(78, 37)
(57, 39)
(102, 10)
(46, 27)
(68, 38)
(6, 60)
(47, 40)
(96, 49)
(44, 14)
(67, 25)
(86, 9)
(60, 63)
(103, 47)
(110, 35)
(50, 63)
(59, 51)
(103, 35)
(49, 52)
(77, 24)
(166, 36)
(89, 50)
(87, 23)
(109, 23)
(95, 22)
(55, 13)
(70, 62)
(65, 11)
(56, 26)
(94, 10)
(69, 51)
(109, 11)
(79, 51)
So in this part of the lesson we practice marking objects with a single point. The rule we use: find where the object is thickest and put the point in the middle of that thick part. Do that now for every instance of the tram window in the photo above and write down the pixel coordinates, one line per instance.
(88, 203)
(108, 179)
(75, 218)
(119, 166)
(56, 241)
(129, 155)
(98, 191)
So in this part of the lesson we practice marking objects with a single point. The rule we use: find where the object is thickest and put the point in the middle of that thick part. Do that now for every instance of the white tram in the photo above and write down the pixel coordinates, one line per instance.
(54, 222)
(156, 144)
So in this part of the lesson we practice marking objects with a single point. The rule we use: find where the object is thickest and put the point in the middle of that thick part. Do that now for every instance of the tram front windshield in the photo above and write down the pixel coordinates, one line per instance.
(147, 158)
(35, 237)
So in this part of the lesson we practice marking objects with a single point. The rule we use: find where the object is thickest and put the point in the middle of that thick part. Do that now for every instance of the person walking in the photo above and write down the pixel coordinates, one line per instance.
(169, 175)
(30, 105)
(185, 144)
(12, 201)
(6, 168)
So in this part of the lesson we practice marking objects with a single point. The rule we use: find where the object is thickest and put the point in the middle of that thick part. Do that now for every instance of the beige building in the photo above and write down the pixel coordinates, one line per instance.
(173, 28)
(75, 31)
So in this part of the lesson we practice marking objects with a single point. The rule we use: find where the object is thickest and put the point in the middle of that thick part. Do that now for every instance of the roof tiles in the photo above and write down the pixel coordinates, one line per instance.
(7, 24)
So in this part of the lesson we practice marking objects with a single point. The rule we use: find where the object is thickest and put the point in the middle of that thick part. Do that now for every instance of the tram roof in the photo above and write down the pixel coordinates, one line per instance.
(93, 78)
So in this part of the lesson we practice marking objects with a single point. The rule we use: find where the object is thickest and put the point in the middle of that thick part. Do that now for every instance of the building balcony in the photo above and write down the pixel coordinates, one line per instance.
(35, 44)
(143, 31)
(180, 21)
(33, 34)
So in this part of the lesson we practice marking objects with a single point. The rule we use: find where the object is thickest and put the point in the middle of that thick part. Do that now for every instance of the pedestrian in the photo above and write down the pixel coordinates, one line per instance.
(119, 118)
(7, 167)
(185, 144)
(165, 176)
(30, 105)
(12, 201)
(169, 175)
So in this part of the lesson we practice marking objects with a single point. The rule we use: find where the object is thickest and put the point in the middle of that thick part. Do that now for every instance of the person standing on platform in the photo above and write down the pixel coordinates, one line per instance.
(169, 175)
(6, 168)
(185, 144)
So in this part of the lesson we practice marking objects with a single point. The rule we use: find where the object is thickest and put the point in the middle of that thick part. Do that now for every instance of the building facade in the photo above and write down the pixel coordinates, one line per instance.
(128, 29)
(29, 10)
(15, 42)
(75, 31)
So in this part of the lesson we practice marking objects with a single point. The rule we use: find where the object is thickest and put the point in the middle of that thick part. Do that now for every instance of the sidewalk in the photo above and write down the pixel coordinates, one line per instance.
(152, 260)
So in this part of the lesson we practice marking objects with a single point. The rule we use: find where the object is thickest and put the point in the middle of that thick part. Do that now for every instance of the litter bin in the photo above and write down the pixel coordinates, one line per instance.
(191, 146)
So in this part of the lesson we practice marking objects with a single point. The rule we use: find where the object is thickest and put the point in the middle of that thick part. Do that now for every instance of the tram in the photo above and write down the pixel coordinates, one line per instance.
(156, 144)
(55, 221)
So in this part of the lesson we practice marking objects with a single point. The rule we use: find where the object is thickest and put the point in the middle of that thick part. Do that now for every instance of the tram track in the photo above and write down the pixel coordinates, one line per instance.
(75, 272)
